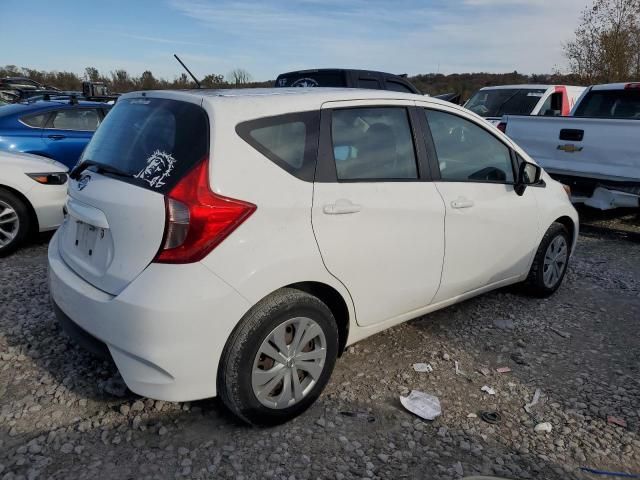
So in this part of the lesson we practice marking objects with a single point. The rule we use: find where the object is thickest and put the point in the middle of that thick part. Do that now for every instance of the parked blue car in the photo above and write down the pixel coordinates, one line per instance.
(58, 129)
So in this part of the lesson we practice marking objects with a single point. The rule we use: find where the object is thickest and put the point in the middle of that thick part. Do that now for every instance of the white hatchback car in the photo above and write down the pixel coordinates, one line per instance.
(33, 191)
(233, 243)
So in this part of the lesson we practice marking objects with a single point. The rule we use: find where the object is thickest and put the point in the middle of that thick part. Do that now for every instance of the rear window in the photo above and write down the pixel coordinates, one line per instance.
(312, 79)
(610, 104)
(505, 101)
(156, 140)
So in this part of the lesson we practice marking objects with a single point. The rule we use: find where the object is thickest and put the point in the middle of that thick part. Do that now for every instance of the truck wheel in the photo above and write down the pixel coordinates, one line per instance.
(279, 358)
(550, 263)
(15, 222)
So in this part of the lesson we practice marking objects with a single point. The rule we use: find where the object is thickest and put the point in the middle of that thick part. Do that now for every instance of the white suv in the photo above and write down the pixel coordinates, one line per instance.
(233, 243)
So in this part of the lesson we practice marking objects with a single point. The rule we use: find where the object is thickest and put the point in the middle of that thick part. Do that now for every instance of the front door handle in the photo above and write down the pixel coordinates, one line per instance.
(341, 207)
(57, 137)
(462, 203)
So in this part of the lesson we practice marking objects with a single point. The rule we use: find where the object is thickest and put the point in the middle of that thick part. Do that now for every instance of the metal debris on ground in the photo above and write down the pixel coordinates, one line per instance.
(534, 401)
(544, 427)
(484, 371)
(560, 333)
(616, 421)
(422, 367)
(422, 404)
(364, 415)
(503, 369)
(491, 417)
(610, 474)
(488, 390)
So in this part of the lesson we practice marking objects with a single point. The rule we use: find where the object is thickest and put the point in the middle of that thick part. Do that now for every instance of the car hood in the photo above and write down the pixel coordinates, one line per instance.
(30, 163)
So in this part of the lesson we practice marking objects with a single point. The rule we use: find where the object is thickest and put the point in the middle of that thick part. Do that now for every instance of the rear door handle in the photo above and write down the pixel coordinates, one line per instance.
(341, 207)
(57, 137)
(462, 203)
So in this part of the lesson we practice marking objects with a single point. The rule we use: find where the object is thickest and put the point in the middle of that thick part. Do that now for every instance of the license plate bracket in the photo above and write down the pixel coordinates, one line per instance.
(86, 236)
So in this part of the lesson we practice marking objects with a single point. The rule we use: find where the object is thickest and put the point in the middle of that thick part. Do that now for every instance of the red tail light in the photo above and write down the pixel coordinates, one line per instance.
(502, 126)
(197, 219)
(635, 85)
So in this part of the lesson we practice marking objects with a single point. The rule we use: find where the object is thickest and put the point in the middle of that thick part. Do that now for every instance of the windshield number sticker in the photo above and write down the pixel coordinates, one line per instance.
(159, 167)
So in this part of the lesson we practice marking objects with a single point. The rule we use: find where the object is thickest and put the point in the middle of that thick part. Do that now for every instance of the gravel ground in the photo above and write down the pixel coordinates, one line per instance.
(65, 414)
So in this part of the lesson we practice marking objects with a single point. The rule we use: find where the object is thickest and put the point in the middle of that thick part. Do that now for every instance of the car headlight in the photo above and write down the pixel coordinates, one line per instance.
(49, 178)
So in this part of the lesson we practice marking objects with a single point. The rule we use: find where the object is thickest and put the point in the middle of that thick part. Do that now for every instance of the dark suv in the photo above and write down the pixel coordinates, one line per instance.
(338, 77)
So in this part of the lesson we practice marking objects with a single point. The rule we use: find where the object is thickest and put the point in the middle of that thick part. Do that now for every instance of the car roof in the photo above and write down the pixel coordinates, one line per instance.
(313, 94)
(43, 105)
(333, 70)
(529, 86)
(612, 86)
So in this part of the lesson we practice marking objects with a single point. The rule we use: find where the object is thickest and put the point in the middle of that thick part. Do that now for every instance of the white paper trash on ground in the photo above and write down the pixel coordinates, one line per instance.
(422, 404)
(423, 367)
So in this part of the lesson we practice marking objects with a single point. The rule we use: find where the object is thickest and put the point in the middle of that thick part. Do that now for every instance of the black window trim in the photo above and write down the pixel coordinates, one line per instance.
(311, 120)
(326, 170)
(48, 125)
(435, 164)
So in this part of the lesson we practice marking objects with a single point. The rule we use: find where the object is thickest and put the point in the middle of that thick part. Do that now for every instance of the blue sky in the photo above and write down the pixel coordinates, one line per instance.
(268, 37)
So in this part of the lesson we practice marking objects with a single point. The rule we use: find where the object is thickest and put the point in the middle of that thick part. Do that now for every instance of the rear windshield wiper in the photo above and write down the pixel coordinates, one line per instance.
(100, 167)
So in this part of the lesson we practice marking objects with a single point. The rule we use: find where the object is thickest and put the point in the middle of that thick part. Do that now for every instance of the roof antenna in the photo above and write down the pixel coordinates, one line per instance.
(188, 71)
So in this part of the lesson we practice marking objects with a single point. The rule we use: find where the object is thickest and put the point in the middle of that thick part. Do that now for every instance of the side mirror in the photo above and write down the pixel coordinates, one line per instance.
(528, 174)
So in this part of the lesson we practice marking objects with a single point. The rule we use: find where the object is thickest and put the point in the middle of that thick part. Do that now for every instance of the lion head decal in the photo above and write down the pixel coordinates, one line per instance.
(159, 166)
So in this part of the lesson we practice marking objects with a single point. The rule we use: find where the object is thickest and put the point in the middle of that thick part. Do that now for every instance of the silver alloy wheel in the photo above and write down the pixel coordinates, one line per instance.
(555, 261)
(289, 363)
(9, 224)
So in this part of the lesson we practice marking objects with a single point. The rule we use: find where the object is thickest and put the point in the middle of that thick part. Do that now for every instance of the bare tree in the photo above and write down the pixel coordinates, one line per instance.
(239, 77)
(606, 45)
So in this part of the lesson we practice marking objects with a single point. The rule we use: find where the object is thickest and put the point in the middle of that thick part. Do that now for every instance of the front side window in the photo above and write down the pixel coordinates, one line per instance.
(373, 144)
(76, 119)
(504, 101)
(467, 152)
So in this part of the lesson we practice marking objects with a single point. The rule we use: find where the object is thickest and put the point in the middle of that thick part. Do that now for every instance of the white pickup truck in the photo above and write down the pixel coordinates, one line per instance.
(595, 150)
(493, 103)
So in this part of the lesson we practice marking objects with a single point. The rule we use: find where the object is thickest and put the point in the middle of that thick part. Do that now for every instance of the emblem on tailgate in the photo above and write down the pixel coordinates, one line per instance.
(83, 181)
(569, 148)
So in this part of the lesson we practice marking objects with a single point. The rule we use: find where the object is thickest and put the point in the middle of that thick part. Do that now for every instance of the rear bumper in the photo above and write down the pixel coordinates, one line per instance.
(166, 331)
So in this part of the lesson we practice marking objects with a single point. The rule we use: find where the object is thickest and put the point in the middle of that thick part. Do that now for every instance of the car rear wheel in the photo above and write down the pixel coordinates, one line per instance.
(550, 263)
(279, 359)
(14, 222)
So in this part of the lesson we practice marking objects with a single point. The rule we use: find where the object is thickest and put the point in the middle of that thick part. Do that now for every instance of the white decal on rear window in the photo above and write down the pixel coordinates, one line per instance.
(159, 167)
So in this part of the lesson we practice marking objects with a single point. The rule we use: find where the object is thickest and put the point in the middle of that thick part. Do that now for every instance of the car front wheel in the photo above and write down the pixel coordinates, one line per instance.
(550, 263)
(14, 222)
(279, 358)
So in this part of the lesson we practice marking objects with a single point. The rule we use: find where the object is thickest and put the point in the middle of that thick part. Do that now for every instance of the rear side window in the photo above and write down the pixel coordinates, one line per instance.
(76, 119)
(610, 104)
(156, 140)
(370, 83)
(35, 121)
(397, 87)
(373, 144)
(290, 141)
(312, 79)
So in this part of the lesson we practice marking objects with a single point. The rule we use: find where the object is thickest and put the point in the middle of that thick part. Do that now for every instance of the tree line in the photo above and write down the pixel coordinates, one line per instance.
(605, 48)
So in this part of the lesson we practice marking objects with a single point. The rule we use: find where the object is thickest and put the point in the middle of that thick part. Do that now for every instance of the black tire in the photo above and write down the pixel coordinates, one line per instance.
(23, 227)
(535, 283)
(234, 382)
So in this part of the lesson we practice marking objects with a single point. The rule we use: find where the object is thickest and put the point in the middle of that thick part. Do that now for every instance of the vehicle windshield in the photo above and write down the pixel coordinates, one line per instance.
(505, 101)
(610, 104)
(154, 140)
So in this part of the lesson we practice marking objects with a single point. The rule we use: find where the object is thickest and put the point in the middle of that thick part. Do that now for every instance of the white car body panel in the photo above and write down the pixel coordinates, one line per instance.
(166, 325)
(47, 200)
